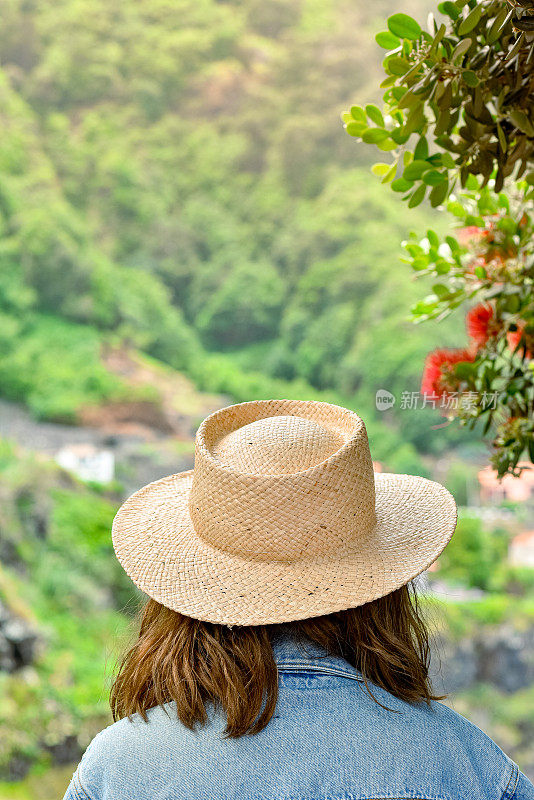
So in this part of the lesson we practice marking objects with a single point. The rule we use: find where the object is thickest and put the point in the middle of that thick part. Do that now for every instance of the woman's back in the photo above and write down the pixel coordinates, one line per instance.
(328, 740)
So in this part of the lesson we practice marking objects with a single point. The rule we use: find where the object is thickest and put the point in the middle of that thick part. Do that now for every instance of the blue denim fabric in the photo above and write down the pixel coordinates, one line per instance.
(328, 740)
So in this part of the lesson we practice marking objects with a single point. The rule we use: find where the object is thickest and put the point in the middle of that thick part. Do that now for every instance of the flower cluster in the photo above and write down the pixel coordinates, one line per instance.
(441, 375)
(493, 262)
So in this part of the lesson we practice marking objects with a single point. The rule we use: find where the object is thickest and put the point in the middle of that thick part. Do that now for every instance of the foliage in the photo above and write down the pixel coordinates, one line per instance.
(458, 105)
(166, 195)
(473, 553)
(464, 618)
(458, 100)
(489, 261)
(72, 600)
(54, 366)
(460, 478)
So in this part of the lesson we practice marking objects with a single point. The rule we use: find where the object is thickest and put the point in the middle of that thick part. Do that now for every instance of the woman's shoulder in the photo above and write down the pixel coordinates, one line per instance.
(465, 746)
(431, 740)
(120, 750)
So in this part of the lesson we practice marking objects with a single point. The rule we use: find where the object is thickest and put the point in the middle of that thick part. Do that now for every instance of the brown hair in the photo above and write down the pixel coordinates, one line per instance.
(199, 663)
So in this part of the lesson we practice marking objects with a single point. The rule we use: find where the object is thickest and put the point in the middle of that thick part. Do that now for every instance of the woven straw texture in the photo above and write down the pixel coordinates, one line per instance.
(281, 519)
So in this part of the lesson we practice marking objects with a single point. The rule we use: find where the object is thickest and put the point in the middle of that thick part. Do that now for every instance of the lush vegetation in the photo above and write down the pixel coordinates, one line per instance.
(169, 195)
(458, 116)
(57, 531)
(477, 557)
(493, 263)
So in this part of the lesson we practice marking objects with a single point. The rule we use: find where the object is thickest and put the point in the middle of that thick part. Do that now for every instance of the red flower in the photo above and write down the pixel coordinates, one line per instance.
(481, 324)
(514, 337)
(438, 378)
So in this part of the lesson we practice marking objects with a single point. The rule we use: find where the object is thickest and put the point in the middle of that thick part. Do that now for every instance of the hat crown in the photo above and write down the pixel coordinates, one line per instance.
(309, 461)
(278, 445)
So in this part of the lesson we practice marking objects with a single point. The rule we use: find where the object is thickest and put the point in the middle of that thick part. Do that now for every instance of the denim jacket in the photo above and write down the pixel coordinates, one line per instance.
(328, 740)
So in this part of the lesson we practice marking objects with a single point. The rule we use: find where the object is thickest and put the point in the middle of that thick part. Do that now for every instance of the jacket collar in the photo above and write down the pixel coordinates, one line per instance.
(301, 655)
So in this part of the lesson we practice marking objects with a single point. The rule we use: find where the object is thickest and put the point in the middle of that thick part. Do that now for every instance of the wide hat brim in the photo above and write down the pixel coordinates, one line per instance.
(158, 547)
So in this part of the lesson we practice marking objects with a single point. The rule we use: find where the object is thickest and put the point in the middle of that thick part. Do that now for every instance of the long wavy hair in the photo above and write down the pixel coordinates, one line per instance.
(197, 664)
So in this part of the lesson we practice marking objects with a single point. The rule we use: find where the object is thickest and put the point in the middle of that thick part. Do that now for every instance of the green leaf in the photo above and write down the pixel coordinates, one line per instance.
(471, 219)
(358, 113)
(389, 176)
(417, 197)
(439, 193)
(406, 98)
(472, 183)
(470, 78)
(456, 208)
(503, 202)
(516, 48)
(399, 92)
(443, 122)
(471, 21)
(397, 65)
(415, 170)
(387, 40)
(433, 238)
(440, 290)
(355, 128)
(461, 49)
(421, 149)
(413, 248)
(498, 23)
(521, 121)
(386, 145)
(481, 273)
(380, 169)
(433, 177)
(447, 161)
(401, 185)
(374, 135)
(419, 263)
(442, 266)
(404, 26)
(400, 135)
(444, 98)
(453, 243)
(502, 138)
(449, 9)
(416, 120)
(375, 115)
(508, 225)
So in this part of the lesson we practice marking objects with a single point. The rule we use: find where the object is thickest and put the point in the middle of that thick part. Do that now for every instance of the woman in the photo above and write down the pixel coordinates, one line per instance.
(282, 653)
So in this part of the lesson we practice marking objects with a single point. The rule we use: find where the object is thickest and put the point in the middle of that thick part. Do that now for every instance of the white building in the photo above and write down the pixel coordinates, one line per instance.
(88, 462)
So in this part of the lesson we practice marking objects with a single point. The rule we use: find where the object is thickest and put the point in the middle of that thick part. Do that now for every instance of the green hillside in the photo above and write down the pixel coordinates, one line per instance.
(177, 175)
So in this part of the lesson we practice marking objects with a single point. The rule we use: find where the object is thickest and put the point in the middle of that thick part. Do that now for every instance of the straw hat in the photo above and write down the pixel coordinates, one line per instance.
(281, 519)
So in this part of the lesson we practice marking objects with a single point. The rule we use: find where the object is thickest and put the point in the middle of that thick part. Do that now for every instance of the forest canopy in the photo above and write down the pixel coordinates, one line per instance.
(177, 174)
